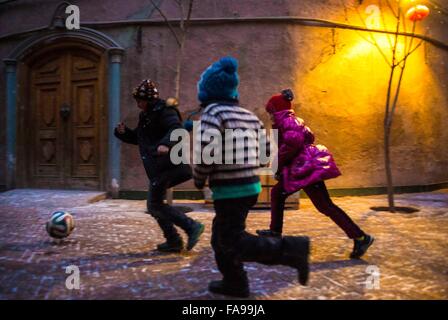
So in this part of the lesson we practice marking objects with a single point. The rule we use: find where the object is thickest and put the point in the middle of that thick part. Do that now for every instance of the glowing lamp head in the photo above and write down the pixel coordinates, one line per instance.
(417, 13)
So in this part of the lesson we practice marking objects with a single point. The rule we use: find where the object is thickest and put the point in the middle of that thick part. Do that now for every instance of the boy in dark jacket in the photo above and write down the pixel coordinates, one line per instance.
(236, 186)
(156, 122)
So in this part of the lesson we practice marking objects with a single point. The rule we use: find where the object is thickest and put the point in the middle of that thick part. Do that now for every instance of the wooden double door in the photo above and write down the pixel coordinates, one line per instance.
(66, 121)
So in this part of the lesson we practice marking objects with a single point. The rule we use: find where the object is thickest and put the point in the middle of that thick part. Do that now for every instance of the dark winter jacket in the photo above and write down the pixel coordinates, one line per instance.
(154, 129)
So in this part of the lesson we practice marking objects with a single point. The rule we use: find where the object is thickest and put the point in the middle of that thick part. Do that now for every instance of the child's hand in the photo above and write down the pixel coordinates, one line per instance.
(121, 128)
(162, 150)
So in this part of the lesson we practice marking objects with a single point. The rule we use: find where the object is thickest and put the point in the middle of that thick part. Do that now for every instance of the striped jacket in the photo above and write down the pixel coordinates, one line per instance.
(233, 159)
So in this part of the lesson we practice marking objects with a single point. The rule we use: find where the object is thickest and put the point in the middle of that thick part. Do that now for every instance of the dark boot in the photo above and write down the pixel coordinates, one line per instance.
(174, 242)
(240, 290)
(360, 246)
(268, 233)
(194, 234)
(288, 251)
(171, 246)
(295, 253)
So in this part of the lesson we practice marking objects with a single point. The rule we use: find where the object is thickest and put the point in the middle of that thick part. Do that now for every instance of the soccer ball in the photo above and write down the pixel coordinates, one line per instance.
(60, 225)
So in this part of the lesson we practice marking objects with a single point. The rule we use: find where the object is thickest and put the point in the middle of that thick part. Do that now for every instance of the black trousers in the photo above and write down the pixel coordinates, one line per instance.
(167, 216)
(233, 245)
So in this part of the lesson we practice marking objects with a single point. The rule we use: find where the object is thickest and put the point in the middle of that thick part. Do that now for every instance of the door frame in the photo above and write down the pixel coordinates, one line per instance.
(18, 101)
(25, 118)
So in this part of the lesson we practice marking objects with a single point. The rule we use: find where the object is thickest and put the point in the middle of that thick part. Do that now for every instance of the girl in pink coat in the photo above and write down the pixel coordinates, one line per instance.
(304, 165)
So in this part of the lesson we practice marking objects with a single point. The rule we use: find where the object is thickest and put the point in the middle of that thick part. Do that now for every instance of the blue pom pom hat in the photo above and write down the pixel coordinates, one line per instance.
(219, 81)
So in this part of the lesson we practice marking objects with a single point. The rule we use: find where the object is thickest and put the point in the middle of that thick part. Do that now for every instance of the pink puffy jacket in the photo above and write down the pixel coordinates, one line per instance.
(300, 161)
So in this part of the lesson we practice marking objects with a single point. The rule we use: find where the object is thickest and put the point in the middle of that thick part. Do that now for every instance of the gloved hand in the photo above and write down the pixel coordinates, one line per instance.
(188, 125)
(121, 128)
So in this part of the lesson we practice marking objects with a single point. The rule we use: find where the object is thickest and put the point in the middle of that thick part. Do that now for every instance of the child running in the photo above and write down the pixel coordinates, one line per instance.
(304, 165)
(236, 187)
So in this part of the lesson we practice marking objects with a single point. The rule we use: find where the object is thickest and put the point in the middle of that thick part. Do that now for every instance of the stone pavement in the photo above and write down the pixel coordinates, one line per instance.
(114, 240)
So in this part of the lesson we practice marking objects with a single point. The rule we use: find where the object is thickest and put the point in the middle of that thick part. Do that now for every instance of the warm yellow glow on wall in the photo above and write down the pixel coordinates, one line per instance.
(355, 78)
(358, 70)
(384, 42)
(377, 18)
(373, 17)
(342, 98)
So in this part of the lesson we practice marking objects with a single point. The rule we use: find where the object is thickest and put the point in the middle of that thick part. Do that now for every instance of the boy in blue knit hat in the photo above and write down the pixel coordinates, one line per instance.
(236, 186)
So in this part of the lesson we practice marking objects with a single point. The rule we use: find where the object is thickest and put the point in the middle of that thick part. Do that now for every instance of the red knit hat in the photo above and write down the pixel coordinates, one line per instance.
(280, 102)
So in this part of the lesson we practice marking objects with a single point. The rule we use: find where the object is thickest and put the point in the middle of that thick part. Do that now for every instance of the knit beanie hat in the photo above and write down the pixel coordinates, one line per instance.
(146, 90)
(219, 81)
(280, 102)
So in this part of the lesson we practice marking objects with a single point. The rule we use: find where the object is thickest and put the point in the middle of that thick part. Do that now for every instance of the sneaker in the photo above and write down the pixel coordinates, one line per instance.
(168, 246)
(193, 236)
(268, 233)
(221, 287)
(360, 246)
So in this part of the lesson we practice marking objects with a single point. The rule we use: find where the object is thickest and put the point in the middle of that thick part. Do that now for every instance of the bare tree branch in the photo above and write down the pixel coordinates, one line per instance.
(184, 24)
(405, 30)
(389, 39)
(397, 92)
(373, 39)
(190, 11)
(388, 114)
(394, 50)
(349, 22)
(391, 8)
(403, 16)
(182, 18)
(345, 10)
(410, 52)
(407, 49)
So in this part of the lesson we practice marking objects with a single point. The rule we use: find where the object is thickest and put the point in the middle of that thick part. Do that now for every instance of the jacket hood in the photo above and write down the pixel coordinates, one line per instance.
(280, 116)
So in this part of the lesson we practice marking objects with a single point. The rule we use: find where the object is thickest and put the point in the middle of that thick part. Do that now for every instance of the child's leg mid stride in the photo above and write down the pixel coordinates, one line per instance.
(278, 198)
(167, 217)
(233, 246)
(320, 198)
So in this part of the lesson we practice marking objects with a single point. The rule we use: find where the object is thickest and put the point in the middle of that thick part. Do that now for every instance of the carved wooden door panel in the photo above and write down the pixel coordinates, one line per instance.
(83, 164)
(65, 118)
(46, 132)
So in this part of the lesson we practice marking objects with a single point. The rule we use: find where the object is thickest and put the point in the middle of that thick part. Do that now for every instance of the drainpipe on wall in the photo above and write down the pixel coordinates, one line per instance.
(11, 129)
(115, 59)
